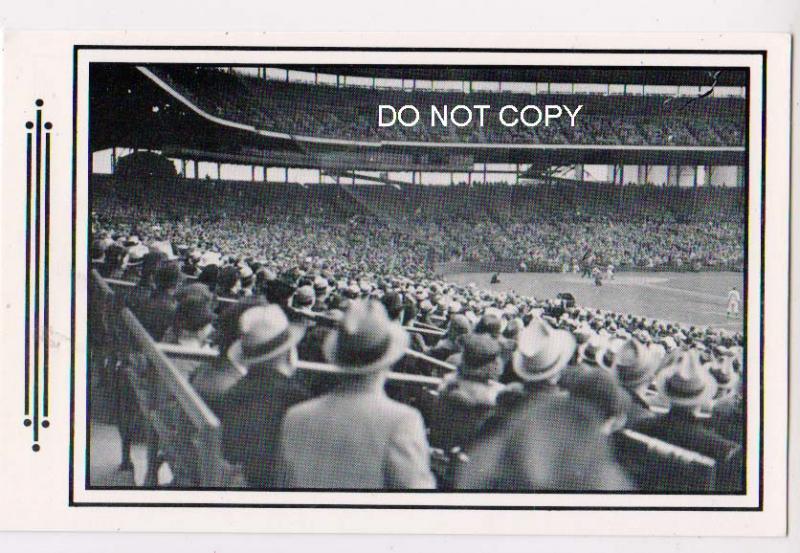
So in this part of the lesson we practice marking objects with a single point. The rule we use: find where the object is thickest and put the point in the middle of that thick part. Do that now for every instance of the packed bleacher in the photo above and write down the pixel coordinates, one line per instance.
(374, 228)
(275, 349)
(350, 113)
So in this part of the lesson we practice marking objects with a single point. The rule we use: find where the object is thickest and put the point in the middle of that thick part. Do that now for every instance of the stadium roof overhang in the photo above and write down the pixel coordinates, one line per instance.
(666, 76)
(128, 109)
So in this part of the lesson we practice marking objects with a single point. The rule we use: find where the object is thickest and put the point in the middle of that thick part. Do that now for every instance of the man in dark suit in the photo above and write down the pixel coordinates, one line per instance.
(252, 411)
(157, 313)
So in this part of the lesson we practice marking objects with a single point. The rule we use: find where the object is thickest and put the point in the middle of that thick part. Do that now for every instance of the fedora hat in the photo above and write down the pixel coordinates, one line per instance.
(320, 284)
(303, 297)
(458, 326)
(684, 381)
(366, 341)
(542, 352)
(593, 351)
(164, 247)
(726, 377)
(194, 313)
(480, 359)
(266, 333)
(634, 364)
(136, 253)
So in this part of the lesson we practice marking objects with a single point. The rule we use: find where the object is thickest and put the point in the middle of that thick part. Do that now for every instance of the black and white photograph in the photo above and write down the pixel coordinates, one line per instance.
(418, 277)
(388, 284)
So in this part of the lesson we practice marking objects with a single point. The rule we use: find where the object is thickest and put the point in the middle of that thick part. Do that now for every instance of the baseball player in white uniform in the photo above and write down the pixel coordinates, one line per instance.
(734, 299)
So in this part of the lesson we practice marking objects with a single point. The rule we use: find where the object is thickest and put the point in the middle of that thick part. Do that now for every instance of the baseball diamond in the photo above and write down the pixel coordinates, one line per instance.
(531, 282)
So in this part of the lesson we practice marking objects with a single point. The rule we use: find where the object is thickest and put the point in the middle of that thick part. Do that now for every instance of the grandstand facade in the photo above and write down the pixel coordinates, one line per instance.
(321, 127)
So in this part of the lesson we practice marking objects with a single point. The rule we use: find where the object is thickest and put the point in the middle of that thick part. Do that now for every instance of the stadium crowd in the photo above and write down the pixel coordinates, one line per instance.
(349, 113)
(542, 390)
(348, 229)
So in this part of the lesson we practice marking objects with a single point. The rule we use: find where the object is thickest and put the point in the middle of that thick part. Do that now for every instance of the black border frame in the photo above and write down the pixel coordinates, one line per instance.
(748, 86)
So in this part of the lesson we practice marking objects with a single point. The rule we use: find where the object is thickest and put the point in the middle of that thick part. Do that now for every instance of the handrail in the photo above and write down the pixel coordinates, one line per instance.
(130, 284)
(186, 395)
(662, 446)
(184, 352)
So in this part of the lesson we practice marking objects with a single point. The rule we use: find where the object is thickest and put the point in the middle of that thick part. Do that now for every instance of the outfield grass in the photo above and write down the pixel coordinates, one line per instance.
(691, 298)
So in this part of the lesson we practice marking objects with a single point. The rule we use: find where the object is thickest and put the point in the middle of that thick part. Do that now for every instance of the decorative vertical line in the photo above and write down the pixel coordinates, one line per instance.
(28, 202)
(37, 276)
(46, 357)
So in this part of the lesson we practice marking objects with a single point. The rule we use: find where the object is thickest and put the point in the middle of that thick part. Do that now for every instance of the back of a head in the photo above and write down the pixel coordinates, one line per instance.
(598, 388)
(228, 322)
(571, 451)
(228, 278)
(489, 324)
(150, 263)
(393, 302)
(193, 313)
(167, 276)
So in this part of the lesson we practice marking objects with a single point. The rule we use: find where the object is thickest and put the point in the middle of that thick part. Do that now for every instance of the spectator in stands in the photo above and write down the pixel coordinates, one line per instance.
(355, 437)
(157, 313)
(193, 323)
(115, 261)
(451, 344)
(634, 364)
(543, 440)
(690, 387)
(467, 398)
(252, 411)
(213, 379)
(146, 284)
(598, 388)
(228, 283)
(728, 411)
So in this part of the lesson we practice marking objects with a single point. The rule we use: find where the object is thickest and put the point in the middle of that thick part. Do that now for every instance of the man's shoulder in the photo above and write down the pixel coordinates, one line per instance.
(308, 409)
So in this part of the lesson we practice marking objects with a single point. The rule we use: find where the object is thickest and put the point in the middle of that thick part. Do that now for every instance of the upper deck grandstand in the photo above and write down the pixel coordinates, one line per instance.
(349, 112)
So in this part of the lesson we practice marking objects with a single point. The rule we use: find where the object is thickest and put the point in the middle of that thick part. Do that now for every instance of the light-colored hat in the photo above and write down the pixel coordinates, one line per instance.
(366, 341)
(726, 377)
(303, 297)
(164, 247)
(635, 364)
(593, 351)
(542, 352)
(137, 252)
(320, 284)
(684, 380)
(209, 258)
(266, 333)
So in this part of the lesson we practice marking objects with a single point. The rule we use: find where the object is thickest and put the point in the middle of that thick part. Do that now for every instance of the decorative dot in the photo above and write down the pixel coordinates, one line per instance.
(40, 102)
(45, 424)
(48, 125)
(29, 125)
(27, 422)
(35, 447)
